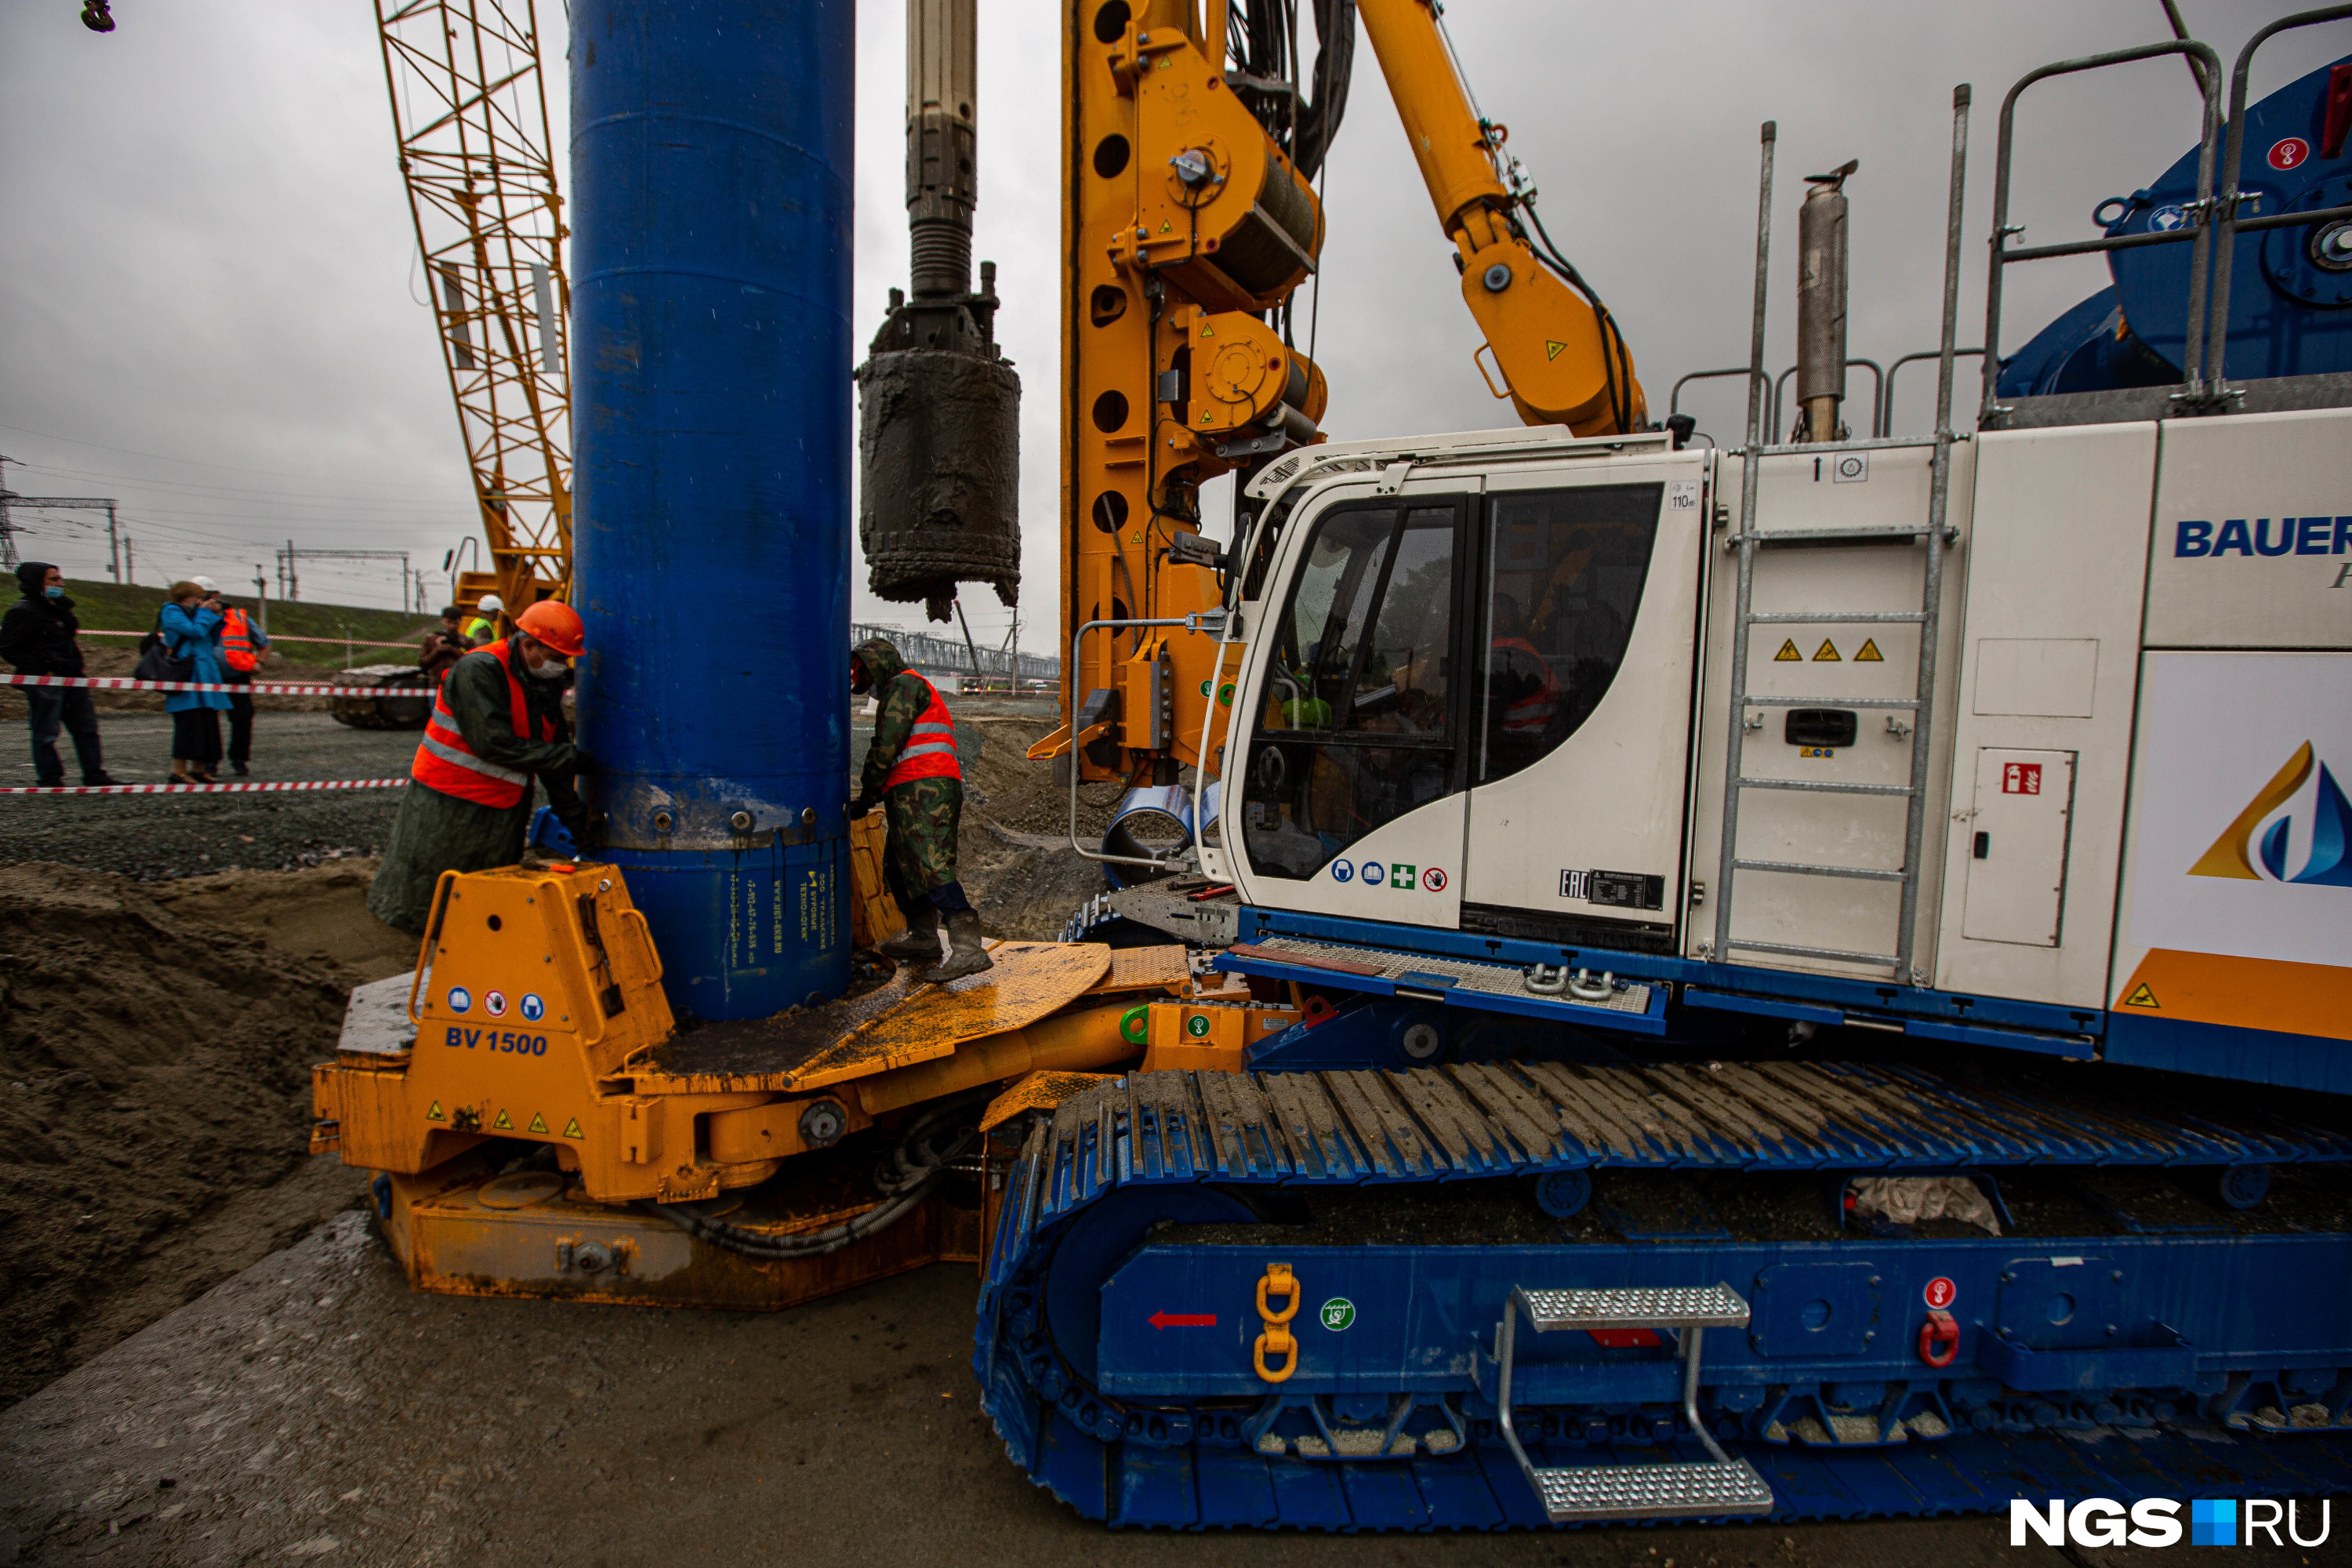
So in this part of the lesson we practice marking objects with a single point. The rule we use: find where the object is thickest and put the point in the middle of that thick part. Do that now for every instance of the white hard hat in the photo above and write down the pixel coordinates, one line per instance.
(207, 584)
(491, 603)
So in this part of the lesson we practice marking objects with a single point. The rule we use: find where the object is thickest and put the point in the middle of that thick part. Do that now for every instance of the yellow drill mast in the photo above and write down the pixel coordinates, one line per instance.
(1187, 228)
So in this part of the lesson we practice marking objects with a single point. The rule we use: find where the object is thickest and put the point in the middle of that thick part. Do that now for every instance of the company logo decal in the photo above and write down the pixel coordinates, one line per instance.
(2263, 536)
(2236, 854)
(2155, 1522)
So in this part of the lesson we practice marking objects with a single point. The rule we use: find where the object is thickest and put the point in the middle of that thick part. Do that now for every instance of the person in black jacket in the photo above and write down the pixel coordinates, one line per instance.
(38, 637)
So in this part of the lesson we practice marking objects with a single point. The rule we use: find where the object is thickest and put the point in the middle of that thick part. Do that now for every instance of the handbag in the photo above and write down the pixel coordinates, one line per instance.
(156, 663)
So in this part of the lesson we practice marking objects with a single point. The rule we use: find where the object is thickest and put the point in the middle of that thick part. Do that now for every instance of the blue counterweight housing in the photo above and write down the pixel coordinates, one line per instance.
(711, 171)
(2290, 289)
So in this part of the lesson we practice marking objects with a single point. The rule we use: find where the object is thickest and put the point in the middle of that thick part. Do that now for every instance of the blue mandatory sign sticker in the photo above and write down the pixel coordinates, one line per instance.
(2164, 219)
(1372, 872)
(1341, 871)
(533, 1008)
(460, 999)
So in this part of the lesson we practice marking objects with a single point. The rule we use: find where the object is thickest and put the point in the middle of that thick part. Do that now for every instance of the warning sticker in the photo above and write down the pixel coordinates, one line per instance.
(1869, 654)
(433, 1113)
(538, 1123)
(1940, 1293)
(1787, 654)
(571, 1129)
(2142, 996)
(1827, 653)
(504, 1123)
(1552, 350)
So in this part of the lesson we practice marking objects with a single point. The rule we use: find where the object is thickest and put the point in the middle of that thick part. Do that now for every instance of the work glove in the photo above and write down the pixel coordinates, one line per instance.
(583, 764)
(860, 806)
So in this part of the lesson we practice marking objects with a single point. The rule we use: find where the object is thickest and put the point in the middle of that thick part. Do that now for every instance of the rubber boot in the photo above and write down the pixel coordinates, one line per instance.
(919, 943)
(965, 955)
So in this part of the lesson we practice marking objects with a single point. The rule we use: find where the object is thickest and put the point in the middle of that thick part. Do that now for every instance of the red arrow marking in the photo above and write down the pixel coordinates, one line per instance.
(1182, 1319)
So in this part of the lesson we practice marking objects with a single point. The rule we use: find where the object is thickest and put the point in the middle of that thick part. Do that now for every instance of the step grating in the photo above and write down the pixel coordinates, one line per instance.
(1652, 1491)
(1699, 1306)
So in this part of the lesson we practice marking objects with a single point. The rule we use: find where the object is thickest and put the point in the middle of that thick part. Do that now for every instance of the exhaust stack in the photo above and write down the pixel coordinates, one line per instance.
(1820, 304)
(939, 424)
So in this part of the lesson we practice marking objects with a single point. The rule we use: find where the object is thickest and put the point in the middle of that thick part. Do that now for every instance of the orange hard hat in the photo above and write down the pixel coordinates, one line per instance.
(556, 625)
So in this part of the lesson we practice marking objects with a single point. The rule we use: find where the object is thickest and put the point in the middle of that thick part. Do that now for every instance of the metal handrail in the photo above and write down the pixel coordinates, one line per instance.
(2201, 230)
(1886, 414)
(2231, 157)
(1195, 622)
(1675, 399)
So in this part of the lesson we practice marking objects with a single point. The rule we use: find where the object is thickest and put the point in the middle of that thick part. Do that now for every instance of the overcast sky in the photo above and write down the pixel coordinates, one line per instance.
(209, 305)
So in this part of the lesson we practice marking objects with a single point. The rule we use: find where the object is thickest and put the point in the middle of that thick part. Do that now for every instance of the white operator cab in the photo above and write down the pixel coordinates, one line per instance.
(1467, 700)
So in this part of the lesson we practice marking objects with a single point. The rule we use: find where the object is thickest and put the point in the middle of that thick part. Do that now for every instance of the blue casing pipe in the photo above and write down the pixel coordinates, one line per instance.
(711, 358)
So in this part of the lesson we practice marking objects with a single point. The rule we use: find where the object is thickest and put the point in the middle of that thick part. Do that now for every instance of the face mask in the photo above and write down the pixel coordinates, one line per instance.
(551, 670)
(55, 591)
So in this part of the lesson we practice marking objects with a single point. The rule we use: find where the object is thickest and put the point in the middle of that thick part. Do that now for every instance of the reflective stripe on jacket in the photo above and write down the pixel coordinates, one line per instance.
(237, 641)
(1530, 717)
(929, 751)
(443, 761)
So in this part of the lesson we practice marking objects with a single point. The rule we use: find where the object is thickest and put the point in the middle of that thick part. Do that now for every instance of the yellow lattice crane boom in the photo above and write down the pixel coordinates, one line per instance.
(469, 110)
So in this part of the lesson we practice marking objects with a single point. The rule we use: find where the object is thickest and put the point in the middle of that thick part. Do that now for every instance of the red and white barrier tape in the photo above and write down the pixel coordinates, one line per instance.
(201, 788)
(339, 642)
(251, 688)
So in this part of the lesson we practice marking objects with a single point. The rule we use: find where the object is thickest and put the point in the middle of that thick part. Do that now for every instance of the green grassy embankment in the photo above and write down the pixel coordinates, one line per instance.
(127, 608)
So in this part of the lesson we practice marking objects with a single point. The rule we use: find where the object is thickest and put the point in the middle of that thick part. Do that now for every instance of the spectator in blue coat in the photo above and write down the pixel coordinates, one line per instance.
(191, 624)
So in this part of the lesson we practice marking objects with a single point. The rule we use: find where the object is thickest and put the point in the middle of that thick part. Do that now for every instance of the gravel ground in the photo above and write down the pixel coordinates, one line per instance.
(152, 837)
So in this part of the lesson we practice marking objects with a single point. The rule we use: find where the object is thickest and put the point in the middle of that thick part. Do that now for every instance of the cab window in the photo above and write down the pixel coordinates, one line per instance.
(1359, 716)
(1564, 571)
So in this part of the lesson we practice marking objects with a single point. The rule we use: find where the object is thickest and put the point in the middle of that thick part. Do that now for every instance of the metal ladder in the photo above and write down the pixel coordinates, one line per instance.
(1724, 1486)
(1936, 535)
(1745, 616)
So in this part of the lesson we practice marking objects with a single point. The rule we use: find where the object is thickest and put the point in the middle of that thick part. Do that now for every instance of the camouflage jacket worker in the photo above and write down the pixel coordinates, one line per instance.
(900, 698)
(923, 813)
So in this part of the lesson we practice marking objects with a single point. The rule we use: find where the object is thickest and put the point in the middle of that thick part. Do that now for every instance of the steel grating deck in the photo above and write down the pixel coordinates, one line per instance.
(1527, 1118)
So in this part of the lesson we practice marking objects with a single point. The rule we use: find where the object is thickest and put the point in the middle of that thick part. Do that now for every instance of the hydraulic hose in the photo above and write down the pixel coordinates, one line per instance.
(914, 1169)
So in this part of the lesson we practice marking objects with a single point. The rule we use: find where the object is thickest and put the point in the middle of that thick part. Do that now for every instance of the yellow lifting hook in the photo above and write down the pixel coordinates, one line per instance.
(1276, 1341)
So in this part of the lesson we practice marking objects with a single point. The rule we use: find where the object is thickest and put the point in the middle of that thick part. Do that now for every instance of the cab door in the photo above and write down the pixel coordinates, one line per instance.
(1587, 608)
(1351, 785)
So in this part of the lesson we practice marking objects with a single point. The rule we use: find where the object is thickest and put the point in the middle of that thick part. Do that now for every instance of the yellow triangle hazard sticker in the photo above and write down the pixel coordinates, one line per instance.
(1869, 654)
(2142, 996)
(571, 1129)
(1207, 331)
(1552, 349)
(434, 1114)
(538, 1123)
(504, 1123)
(1165, 226)
(1827, 653)
(1787, 654)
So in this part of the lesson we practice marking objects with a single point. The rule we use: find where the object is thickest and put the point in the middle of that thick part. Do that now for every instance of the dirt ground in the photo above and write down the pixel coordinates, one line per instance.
(314, 1409)
(156, 1036)
(155, 1047)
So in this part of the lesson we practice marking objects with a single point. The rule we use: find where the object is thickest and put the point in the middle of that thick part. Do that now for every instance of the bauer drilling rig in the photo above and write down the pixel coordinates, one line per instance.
(1877, 898)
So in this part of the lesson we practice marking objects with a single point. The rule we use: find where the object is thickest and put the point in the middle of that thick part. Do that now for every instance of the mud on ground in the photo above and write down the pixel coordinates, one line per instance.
(155, 1048)
(156, 1038)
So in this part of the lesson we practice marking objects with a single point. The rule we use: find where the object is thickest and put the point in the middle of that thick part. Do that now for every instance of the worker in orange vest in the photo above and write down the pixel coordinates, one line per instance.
(241, 645)
(498, 724)
(912, 774)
